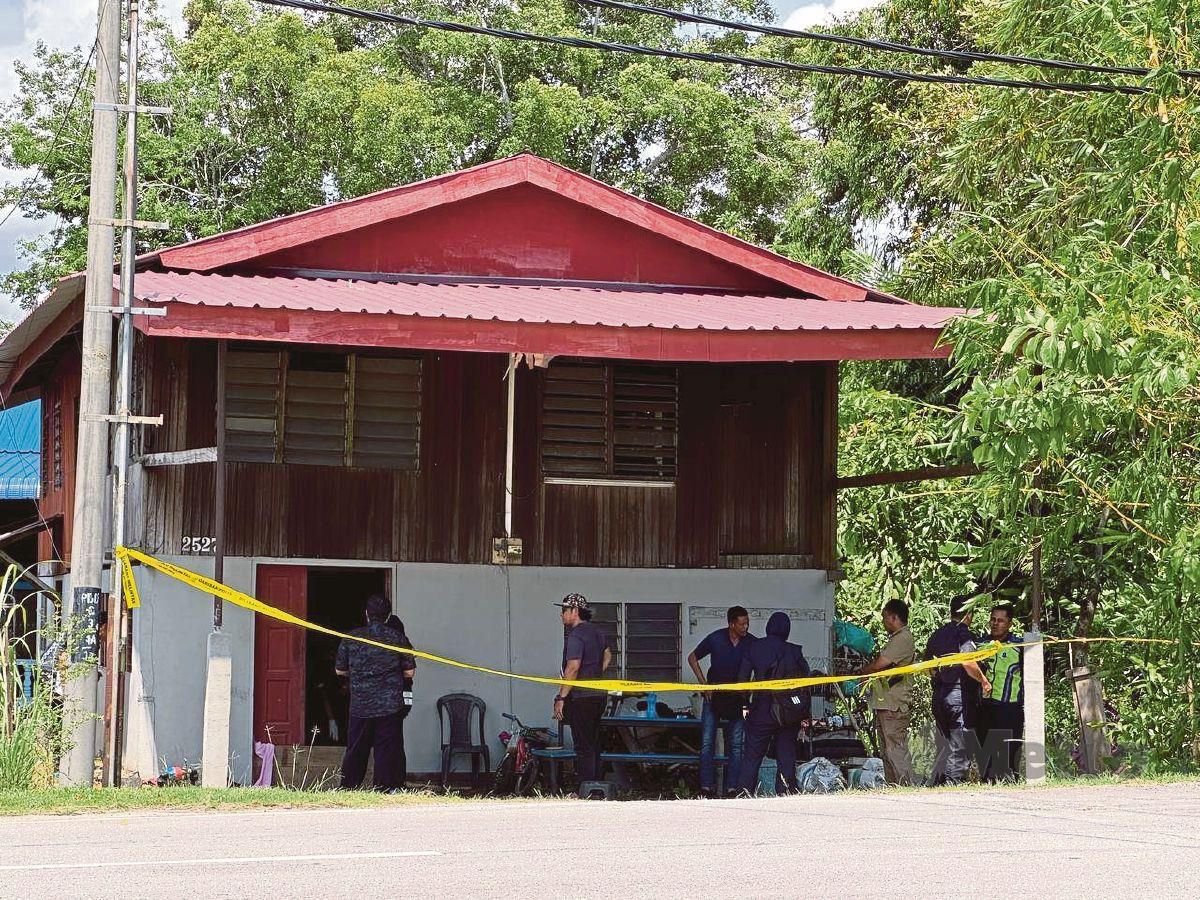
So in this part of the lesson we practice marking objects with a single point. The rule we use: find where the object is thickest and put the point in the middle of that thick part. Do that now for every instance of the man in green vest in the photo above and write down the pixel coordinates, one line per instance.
(1001, 723)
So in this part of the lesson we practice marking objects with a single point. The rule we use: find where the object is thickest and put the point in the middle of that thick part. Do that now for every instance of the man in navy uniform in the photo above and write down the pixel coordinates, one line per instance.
(955, 695)
(376, 700)
(585, 656)
(725, 647)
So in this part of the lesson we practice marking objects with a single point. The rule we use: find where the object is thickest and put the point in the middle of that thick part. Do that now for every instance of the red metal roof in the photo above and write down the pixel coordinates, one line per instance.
(625, 321)
(245, 246)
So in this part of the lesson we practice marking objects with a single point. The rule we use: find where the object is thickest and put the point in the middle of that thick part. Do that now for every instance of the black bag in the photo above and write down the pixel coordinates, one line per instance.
(727, 704)
(788, 708)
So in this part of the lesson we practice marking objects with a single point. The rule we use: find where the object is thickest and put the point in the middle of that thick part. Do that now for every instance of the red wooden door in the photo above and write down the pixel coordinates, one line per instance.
(279, 657)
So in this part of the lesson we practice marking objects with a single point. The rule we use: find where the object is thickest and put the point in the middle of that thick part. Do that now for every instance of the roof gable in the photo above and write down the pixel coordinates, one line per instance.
(518, 217)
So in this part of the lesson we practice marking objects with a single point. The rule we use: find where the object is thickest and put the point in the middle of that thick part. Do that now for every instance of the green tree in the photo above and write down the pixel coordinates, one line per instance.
(277, 112)
(1068, 225)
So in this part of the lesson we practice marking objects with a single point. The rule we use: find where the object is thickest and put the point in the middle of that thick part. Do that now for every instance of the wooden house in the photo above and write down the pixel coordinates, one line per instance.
(476, 393)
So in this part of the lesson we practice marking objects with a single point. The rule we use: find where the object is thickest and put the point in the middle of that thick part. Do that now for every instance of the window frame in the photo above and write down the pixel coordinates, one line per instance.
(603, 615)
(613, 421)
(351, 425)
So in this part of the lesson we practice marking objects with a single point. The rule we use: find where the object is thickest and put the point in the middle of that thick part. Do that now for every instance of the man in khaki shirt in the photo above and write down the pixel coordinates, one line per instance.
(891, 698)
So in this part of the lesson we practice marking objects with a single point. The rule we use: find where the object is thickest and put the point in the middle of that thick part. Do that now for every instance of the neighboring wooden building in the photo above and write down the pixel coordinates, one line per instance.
(673, 426)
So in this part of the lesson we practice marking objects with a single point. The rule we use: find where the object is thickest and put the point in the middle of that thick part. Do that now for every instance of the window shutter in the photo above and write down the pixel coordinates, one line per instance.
(652, 645)
(645, 421)
(252, 387)
(387, 413)
(575, 420)
(314, 431)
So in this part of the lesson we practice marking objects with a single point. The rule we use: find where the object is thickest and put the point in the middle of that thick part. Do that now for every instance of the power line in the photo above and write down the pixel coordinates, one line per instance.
(720, 58)
(16, 204)
(876, 44)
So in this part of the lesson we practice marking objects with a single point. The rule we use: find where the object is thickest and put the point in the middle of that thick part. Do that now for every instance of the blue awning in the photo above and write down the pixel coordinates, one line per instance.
(21, 451)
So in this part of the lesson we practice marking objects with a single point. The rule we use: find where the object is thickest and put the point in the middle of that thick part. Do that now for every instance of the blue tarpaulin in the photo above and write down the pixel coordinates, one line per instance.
(21, 451)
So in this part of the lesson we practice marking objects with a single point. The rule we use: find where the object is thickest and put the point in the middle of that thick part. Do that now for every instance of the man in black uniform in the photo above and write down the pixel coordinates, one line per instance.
(585, 655)
(767, 659)
(376, 698)
(955, 695)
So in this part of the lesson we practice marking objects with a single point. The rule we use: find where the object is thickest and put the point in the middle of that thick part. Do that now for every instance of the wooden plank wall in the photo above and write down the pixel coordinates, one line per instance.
(448, 511)
(751, 488)
(750, 456)
(60, 399)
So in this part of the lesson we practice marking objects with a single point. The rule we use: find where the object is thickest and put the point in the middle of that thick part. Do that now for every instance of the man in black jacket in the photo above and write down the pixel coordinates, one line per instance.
(766, 659)
(376, 698)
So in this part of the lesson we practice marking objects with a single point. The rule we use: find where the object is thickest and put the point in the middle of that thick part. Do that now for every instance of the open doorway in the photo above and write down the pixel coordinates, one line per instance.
(336, 599)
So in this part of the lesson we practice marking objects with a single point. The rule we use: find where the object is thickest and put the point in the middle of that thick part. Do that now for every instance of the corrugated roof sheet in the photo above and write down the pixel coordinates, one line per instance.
(616, 306)
(21, 451)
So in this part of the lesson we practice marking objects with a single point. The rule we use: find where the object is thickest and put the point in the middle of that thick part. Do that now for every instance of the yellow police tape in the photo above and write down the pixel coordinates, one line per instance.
(127, 556)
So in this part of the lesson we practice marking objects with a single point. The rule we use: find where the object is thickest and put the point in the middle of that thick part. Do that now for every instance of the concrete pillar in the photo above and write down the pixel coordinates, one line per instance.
(214, 763)
(1035, 708)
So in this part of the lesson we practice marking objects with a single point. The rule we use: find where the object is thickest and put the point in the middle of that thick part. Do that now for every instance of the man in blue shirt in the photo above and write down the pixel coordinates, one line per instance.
(956, 691)
(585, 656)
(725, 647)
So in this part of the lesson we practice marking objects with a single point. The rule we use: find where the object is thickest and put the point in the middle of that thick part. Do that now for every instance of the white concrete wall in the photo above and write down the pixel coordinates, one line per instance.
(165, 702)
(457, 611)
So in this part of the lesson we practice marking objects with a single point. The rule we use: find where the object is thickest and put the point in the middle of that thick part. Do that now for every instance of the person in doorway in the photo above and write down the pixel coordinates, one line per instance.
(585, 655)
(408, 676)
(891, 697)
(725, 647)
(955, 695)
(376, 695)
(1001, 726)
(765, 659)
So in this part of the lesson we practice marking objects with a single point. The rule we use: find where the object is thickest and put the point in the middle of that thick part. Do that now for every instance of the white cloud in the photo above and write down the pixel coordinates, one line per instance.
(813, 14)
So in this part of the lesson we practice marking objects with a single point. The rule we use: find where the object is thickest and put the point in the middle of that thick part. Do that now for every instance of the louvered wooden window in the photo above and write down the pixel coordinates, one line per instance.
(317, 408)
(610, 421)
(253, 383)
(644, 639)
(387, 412)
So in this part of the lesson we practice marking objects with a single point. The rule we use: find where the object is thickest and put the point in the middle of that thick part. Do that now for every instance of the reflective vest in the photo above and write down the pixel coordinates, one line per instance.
(1004, 671)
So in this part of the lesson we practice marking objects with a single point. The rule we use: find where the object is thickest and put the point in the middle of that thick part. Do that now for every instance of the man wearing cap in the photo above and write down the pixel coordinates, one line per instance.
(955, 695)
(585, 656)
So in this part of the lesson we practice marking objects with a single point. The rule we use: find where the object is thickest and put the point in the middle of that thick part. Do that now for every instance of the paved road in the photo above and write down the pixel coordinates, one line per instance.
(1095, 842)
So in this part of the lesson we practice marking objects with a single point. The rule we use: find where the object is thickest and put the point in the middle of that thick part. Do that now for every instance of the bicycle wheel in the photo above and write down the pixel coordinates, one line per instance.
(528, 777)
(506, 776)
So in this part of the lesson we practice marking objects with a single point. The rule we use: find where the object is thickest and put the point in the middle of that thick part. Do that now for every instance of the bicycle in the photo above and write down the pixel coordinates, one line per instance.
(519, 770)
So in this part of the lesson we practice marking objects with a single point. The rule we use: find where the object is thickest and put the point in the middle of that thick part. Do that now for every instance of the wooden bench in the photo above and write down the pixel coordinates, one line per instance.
(555, 756)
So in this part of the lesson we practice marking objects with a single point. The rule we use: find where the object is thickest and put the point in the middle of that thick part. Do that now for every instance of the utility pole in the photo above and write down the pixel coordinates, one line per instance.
(1034, 677)
(91, 464)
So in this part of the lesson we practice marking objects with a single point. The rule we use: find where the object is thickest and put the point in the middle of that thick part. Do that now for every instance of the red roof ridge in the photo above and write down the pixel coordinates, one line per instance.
(253, 241)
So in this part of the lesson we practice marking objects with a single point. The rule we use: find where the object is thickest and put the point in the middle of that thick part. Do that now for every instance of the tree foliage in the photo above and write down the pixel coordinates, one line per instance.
(276, 113)
(1068, 226)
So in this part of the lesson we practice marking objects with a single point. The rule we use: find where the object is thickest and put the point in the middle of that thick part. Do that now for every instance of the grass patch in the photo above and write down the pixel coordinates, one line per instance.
(63, 801)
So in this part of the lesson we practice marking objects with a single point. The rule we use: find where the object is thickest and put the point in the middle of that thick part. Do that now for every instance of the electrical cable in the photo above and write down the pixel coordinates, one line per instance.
(16, 204)
(721, 58)
(875, 43)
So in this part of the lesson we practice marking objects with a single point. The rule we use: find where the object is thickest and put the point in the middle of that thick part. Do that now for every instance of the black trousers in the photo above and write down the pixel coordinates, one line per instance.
(1000, 728)
(583, 714)
(385, 736)
(759, 736)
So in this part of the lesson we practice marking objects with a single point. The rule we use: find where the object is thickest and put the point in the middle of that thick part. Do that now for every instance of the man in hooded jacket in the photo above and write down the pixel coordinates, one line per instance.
(766, 659)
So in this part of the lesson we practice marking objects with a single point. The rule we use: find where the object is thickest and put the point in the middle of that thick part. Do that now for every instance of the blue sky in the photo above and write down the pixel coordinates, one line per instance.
(67, 23)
